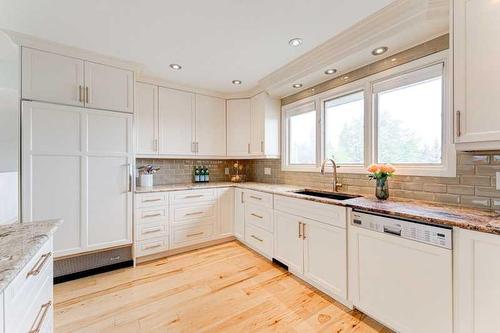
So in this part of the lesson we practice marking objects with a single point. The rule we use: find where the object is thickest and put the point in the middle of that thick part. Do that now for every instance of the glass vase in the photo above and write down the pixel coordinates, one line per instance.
(382, 189)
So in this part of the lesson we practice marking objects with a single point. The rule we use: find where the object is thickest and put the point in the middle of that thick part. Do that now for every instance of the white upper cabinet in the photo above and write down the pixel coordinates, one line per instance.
(238, 127)
(108, 88)
(52, 78)
(476, 74)
(265, 126)
(146, 119)
(55, 78)
(176, 122)
(210, 126)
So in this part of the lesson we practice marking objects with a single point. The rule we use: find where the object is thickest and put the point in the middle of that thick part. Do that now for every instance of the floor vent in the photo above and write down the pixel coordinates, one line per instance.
(279, 263)
(90, 264)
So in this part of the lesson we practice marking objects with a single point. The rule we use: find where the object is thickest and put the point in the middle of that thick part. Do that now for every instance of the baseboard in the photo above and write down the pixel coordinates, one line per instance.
(189, 248)
(93, 271)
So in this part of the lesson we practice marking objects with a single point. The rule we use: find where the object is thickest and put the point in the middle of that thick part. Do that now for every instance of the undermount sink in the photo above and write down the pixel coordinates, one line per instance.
(325, 194)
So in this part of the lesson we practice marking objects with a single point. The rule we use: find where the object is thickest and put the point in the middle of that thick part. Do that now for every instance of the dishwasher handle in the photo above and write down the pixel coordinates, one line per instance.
(393, 230)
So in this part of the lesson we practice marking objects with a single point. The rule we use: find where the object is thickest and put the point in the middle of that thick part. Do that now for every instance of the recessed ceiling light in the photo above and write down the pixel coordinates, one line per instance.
(237, 82)
(330, 71)
(175, 66)
(295, 42)
(297, 85)
(346, 77)
(393, 59)
(380, 50)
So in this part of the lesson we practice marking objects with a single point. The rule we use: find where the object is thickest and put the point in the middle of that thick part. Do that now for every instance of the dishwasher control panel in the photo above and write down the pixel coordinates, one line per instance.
(424, 233)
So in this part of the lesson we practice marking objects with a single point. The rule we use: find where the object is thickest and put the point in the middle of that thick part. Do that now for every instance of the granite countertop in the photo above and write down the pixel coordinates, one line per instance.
(18, 244)
(435, 213)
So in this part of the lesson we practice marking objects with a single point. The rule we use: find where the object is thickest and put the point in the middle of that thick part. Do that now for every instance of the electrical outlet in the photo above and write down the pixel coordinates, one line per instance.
(498, 180)
(226, 171)
(267, 171)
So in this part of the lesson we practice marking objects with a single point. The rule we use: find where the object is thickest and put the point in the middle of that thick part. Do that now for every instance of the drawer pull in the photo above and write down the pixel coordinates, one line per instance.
(256, 198)
(195, 234)
(257, 216)
(42, 314)
(151, 231)
(152, 200)
(152, 215)
(151, 247)
(195, 213)
(257, 238)
(44, 259)
(193, 196)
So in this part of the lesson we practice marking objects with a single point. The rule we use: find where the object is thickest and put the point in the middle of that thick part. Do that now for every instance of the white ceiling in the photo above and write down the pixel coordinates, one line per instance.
(215, 41)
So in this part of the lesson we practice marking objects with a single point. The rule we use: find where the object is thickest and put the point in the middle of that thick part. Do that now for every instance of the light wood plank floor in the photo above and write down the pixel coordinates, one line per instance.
(224, 288)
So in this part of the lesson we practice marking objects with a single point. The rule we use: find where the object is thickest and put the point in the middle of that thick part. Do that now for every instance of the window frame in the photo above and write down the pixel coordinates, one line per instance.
(448, 166)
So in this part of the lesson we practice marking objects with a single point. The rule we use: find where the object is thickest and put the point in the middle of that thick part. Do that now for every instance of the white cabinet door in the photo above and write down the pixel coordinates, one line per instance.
(52, 169)
(257, 119)
(325, 257)
(226, 211)
(146, 119)
(239, 214)
(476, 276)
(210, 126)
(176, 122)
(288, 244)
(109, 88)
(477, 70)
(51, 77)
(109, 164)
(238, 127)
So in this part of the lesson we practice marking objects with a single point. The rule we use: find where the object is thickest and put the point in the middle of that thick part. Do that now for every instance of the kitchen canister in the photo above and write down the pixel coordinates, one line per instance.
(146, 180)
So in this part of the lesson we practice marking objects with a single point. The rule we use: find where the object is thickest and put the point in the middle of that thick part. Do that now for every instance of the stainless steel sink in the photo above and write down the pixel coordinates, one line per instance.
(326, 194)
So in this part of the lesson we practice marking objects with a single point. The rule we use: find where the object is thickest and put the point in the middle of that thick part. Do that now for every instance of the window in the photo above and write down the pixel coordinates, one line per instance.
(344, 128)
(302, 135)
(409, 111)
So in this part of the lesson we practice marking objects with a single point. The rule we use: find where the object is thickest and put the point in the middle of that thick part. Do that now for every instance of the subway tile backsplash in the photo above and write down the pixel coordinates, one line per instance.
(474, 185)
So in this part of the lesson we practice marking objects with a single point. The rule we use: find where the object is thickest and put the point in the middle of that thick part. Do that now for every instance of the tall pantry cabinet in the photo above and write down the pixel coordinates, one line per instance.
(77, 150)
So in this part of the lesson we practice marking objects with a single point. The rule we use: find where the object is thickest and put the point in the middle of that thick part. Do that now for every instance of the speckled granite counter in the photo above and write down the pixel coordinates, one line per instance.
(467, 218)
(18, 244)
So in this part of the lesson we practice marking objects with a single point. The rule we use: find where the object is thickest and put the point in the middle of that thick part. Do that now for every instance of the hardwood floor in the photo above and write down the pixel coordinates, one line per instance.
(224, 288)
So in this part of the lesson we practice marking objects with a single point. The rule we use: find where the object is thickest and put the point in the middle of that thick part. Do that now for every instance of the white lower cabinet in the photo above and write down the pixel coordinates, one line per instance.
(476, 282)
(28, 300)
(313, 250)
(226, 211)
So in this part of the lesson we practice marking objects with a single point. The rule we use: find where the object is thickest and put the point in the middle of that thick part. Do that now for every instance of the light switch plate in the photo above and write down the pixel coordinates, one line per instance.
(267, 171)
(498, 180)
(226, 171)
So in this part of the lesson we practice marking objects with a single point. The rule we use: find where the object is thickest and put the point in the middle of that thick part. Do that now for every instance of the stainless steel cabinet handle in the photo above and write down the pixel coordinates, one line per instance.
(262, 146)
(40, 317)
(300, 230)
(242, 197)
(303, 231)
(195, 234)
(42, 261)
(129, 177)
(87, 98)
(256, 198)
(151, 200)
(193, 196)
(249, 148)
(458, 123)
(257, 216)
(151, 230)
(257, 238)
(80, 93)
(152, 247)
(195, 213)
(152, 215)
(197, 147)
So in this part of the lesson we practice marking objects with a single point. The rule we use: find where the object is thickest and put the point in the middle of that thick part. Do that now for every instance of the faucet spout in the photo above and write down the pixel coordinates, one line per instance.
(336, 184)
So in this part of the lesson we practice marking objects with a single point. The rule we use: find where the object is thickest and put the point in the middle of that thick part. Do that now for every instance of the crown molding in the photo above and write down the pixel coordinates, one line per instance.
(25, 40)
(399, 15)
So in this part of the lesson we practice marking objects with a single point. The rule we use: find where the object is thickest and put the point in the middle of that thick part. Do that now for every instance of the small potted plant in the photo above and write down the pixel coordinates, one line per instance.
(146, 174)
(381, 173)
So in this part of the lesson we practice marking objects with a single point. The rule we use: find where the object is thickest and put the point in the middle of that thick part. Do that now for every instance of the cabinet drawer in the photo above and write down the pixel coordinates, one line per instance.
(189, 196)
(151, 230)
(259, 216)
(326, 213)
(151, 199)
(199, 211)
(151, 214)
(259, 240)
(259, 198)
(151, 246)
(192, 235)
(23, 289)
